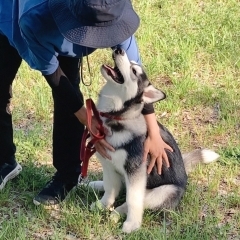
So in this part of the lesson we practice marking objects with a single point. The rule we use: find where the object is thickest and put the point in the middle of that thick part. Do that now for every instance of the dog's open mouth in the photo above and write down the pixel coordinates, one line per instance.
(114, 73)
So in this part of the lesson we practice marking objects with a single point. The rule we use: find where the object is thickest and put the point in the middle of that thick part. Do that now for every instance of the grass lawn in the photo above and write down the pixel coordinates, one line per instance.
(191, 51)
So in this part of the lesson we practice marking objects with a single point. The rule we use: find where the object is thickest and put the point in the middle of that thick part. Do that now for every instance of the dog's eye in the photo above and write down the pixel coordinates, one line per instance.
(134, 71)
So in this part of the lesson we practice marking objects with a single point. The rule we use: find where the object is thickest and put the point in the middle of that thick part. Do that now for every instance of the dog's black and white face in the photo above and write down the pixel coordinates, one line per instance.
(127, 83)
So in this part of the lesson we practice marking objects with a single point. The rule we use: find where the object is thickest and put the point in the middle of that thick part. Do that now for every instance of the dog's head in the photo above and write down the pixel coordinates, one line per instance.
(127, 85)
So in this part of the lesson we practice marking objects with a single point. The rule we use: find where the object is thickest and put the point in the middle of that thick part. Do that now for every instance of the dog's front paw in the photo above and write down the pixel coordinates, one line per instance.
(97, 206)
(130, 226)
(115, 216)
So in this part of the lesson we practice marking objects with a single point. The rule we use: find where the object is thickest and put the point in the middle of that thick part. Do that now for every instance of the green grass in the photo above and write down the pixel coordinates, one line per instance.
(190, 49)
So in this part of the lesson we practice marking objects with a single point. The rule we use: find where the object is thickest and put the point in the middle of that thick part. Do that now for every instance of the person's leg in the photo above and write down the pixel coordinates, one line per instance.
(67, 135)
(9, 64)
(67, 130)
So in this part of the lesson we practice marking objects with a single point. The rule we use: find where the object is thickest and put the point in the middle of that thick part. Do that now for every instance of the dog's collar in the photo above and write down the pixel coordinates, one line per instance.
(109, 116)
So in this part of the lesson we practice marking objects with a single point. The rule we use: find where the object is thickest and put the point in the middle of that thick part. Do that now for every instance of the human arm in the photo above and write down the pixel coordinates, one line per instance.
(154, 145)
(73, 101)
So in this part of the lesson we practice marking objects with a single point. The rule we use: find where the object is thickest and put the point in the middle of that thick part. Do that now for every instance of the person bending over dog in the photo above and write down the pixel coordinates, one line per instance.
(53, 36)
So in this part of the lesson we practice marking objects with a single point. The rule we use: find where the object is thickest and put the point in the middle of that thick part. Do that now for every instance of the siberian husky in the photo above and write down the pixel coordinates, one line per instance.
(120, 103)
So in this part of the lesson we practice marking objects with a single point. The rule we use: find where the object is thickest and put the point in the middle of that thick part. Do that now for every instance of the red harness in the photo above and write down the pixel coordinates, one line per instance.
(87, 148)
(107, 115)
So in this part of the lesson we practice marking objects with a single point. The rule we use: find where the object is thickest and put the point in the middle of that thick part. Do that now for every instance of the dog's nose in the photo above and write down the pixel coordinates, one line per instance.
(119, 51)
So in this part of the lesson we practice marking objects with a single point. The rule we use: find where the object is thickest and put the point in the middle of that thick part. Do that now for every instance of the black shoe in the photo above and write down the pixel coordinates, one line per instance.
(55, 191)
(7, 172)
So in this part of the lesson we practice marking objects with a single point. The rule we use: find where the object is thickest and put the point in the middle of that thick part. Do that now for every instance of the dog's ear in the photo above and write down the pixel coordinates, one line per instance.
(151, 94)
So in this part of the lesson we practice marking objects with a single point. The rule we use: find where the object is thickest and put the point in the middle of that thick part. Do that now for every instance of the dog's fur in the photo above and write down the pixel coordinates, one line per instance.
(123, 97)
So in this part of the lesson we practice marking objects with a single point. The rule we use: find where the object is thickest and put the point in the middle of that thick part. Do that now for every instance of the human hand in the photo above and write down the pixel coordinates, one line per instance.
(155, 146)
(92, 124)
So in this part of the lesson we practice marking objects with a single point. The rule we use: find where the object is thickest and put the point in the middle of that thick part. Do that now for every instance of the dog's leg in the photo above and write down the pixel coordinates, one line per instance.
(135, 186)
(166, 196)
(112, 185)
(119, 212)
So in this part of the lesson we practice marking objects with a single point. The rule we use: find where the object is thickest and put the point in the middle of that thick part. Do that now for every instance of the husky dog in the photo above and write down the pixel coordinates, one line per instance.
(120, 104)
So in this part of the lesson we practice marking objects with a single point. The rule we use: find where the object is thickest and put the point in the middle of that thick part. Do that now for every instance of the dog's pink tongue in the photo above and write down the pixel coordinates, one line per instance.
(110, 71)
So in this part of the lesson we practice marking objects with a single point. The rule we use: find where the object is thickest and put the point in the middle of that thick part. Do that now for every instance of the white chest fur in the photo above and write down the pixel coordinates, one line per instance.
(130, 128)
